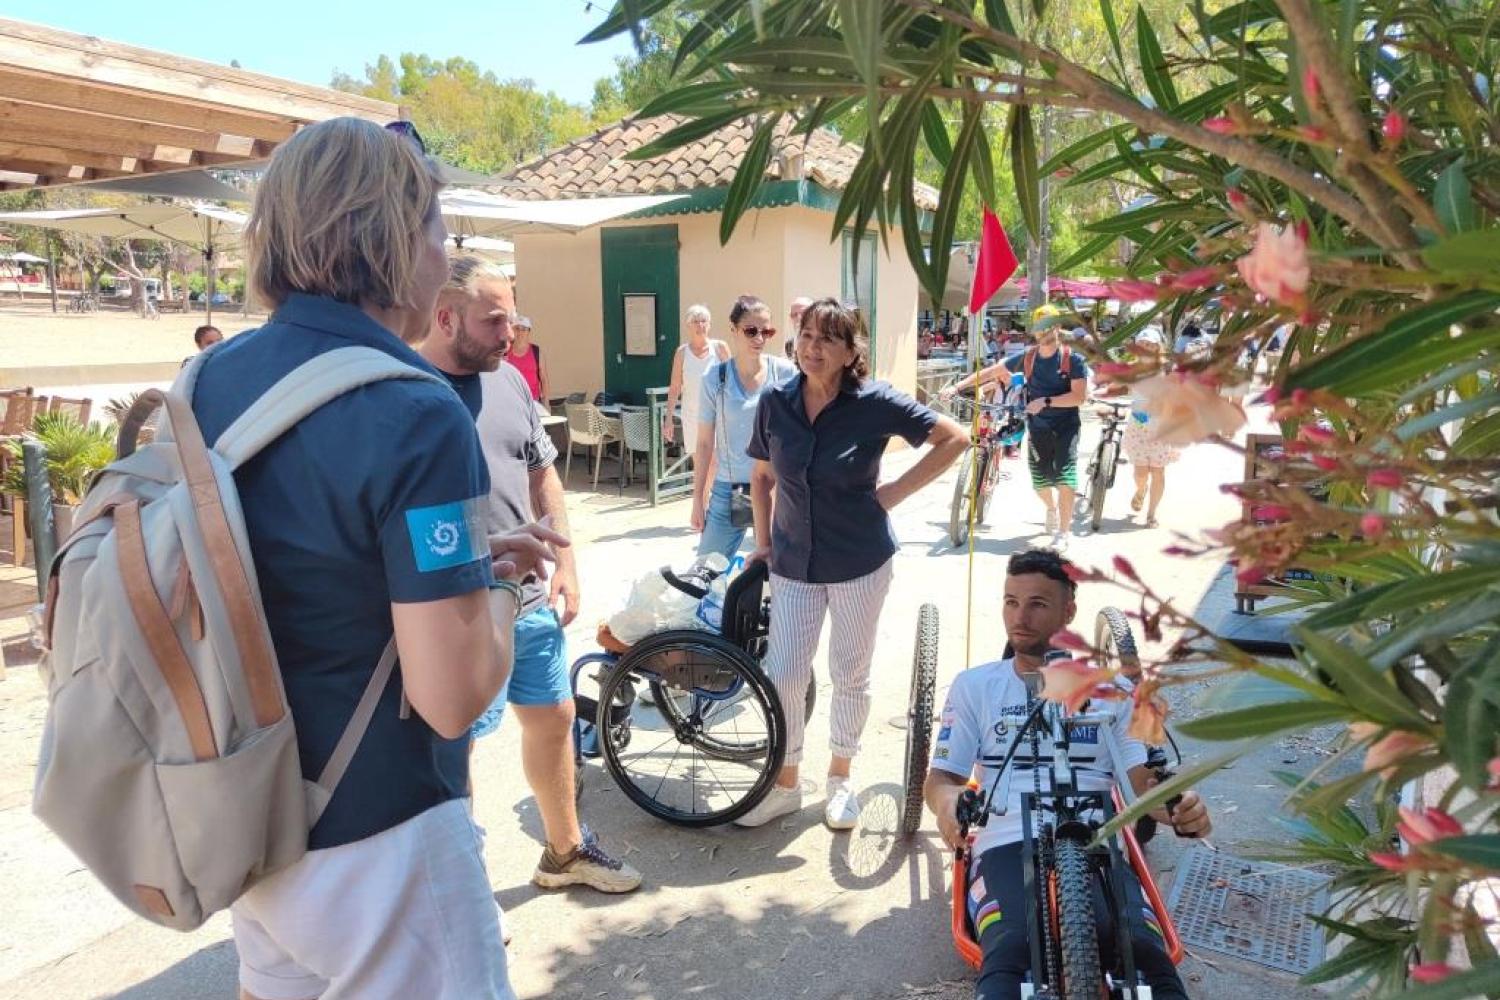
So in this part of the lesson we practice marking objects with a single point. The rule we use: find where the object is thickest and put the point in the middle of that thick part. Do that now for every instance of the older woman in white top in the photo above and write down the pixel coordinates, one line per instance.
(697, 352)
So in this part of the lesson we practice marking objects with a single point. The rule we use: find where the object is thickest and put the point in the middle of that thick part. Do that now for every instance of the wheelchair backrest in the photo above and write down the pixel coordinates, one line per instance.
(744, 622)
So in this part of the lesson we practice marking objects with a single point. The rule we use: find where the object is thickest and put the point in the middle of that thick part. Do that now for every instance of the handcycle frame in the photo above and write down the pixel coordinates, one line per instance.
(1067, 806)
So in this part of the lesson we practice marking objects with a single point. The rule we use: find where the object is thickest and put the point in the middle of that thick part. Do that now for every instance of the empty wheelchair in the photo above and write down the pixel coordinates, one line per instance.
(706, 745)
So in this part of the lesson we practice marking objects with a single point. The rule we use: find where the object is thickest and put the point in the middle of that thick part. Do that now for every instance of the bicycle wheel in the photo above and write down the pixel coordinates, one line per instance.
(919, 717)
(1099, 474)
(670, 772)
(989, 465)
(1083, 979)
(1116, 643)
(958, 517)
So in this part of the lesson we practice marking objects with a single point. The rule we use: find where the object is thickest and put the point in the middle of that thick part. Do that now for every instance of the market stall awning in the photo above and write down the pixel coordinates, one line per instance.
(471, 213)
(75, 108)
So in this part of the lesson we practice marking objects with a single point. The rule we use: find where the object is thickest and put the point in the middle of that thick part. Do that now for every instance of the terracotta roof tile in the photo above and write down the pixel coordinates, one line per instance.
(594, 166)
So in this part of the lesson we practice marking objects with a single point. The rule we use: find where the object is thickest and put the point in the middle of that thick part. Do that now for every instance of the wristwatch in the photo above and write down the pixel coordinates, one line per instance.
(1047, 403)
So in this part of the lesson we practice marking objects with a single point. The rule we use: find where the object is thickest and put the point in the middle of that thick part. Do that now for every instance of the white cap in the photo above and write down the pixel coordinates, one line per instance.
(1149, 335)
(524, 322)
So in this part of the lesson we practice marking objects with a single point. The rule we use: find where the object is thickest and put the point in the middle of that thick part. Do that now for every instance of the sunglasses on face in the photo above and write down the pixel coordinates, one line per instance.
(758, 332)
(408, 130)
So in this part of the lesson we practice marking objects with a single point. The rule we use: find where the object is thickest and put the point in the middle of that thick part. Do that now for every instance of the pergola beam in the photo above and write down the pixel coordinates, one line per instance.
(42, 116)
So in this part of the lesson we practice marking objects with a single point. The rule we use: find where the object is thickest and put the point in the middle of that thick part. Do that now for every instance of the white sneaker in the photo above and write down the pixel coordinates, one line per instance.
(1060, 541)
(779, 802)
(841, 811)
(1052, 520)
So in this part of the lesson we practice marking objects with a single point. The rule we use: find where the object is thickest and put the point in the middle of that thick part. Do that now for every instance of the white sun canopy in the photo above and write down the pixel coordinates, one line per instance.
(201, 227)
(471, 213)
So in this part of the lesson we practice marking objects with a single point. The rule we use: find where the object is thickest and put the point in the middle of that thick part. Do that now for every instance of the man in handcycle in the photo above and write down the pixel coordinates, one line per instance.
(985, 705)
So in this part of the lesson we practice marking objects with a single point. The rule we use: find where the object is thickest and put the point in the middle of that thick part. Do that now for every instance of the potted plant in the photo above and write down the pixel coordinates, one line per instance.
(75, 452)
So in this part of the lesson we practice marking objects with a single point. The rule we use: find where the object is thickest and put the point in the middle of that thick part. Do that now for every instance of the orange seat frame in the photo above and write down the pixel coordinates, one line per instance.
(963, 935)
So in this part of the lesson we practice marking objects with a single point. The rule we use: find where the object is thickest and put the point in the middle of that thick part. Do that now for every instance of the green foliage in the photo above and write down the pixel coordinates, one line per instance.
(1391, 376)
(75, 452)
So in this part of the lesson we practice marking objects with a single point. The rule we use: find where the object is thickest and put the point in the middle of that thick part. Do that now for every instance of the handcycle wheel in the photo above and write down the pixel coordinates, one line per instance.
(1083, 979)
(1099, 477)
(1116, 643)
(958, 517)
(919, 717)
(714, 763)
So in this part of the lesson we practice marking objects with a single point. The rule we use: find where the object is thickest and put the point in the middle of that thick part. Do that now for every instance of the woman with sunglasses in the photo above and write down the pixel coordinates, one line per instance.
(822, 520)
(726, 413)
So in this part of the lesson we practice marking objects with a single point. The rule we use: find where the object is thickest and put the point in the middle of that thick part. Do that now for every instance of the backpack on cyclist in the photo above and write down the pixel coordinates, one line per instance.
(1064, 365)
(169, 762)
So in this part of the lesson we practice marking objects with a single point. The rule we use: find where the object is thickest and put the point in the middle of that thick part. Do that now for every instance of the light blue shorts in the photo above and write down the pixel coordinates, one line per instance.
(540, 673)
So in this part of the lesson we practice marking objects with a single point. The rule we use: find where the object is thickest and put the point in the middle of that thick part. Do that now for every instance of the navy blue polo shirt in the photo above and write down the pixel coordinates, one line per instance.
(829, 528)
(1047, 379)
(374, 498)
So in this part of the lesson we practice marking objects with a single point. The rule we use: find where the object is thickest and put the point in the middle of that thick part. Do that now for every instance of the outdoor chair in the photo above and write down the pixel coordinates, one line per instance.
(77, 408)
(614, 430)
(20, 408)
(635, 422)
(586, 426)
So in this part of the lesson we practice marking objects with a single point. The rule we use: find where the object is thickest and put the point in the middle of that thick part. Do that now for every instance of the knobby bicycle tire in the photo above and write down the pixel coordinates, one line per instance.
(1116, 642)
(1083, 979)
(919, 716)
(958, 516)
(1099, 482)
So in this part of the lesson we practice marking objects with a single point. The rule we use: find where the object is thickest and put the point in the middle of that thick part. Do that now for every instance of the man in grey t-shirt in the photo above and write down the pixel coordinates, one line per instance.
(470, 335)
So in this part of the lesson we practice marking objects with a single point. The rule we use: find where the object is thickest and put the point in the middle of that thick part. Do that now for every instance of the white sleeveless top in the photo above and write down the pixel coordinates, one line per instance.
(693, 368)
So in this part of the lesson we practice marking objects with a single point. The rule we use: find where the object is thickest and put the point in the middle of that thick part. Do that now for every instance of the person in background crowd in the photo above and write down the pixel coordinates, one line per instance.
(470, 335)
(697, 352)
(822, 520)
(924, 345)
(1056, 386)
(984, 706)
(364, 520)
(1191, 343)
(726, 414)
(526, 358)
(798, 307)
(1149, 457)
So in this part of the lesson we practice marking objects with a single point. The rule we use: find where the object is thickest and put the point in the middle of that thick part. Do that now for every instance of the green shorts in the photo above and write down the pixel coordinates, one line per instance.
(1052, 453)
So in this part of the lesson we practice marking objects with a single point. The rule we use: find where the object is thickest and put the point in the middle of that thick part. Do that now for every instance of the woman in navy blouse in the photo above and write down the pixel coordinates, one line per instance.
(817, 444)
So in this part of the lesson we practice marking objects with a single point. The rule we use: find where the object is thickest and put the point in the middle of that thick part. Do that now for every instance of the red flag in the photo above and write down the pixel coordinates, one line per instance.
(996, 263)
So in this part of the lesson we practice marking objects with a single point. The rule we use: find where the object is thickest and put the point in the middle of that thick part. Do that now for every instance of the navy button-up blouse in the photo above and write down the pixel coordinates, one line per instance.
(828, 526)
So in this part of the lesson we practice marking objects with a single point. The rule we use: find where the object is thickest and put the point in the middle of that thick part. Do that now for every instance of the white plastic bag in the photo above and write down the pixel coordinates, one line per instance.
(655, 605)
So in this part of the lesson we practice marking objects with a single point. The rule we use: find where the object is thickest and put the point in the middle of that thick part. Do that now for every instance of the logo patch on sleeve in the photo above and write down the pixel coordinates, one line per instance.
(447, 535)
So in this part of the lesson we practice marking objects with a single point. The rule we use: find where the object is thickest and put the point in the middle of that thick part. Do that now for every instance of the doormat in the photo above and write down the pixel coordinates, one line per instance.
(1251, 910)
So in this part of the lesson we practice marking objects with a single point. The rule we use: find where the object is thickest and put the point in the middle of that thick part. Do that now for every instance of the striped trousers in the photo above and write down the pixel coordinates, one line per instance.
(797, 613)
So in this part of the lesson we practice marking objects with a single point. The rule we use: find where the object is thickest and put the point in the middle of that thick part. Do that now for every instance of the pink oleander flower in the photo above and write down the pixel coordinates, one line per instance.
(1123, 567)
(1393, 127)
(1249, 574)
(1316, 434)
(1068, 639)
(1270, 397)
(1111, 368)
(1325, 462)
(1221, 126)
(1427, 826)
(1276, 267)
(1184, 410)
(1384, 479)
(1132, 290)
(1271, 512)
(1431, 972)
(1310, 88)
(1494, 771)
(1178, 550)
(1073, 682)
(1393, 862)
(1372, 525)
(1237, 199)
(1388, 751)
(1078, 574)
(1311, 133)
(1196, 278)
(1148, 714)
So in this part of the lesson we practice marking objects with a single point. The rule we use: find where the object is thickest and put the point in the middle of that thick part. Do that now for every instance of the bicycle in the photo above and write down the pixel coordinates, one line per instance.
(1106, 459)
(1059, 821)
(1001, 430)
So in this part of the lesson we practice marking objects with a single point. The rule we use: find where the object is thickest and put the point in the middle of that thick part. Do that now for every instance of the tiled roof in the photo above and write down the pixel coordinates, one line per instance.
(595, 166)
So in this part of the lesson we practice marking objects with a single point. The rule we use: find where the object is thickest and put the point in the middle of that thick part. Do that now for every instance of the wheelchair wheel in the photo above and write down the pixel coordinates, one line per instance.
(718, 756)
(1083, 979)
(1116, 643)
(919, 717)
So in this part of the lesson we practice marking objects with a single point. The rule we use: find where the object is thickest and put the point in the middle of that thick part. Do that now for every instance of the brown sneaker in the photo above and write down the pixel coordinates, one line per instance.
(587, 864)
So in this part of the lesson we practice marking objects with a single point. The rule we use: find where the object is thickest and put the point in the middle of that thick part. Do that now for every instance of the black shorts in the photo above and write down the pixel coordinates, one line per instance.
(1052, 452)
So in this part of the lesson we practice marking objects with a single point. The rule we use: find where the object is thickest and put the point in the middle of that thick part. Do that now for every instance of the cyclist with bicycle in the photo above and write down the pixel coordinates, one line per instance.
(985, 705)
(1056, 386)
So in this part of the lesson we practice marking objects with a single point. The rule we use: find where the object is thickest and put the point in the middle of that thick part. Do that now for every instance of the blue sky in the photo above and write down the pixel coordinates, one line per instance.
(306, 40)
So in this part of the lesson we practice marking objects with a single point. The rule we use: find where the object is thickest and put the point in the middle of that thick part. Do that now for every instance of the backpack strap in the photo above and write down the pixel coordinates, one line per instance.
(354, 732)
(303, 390)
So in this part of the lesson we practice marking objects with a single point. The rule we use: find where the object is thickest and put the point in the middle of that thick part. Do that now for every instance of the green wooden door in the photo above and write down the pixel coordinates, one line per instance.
(640, 308)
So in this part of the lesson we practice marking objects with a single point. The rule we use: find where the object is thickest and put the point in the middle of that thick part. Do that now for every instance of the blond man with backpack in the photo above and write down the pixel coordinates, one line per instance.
(1056, 386)
(275, 623)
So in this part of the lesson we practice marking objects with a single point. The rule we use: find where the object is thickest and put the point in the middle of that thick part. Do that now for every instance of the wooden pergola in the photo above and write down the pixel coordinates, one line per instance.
(75, 108)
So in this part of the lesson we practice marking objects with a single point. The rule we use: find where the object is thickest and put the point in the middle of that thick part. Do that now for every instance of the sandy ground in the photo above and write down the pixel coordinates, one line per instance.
(32, 336)
(787, 911)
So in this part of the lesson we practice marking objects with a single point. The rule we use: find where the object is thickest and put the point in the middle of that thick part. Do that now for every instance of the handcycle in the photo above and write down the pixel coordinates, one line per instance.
(1106, 459)
(1002, 427)
(1059, 820)
(709, 745)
